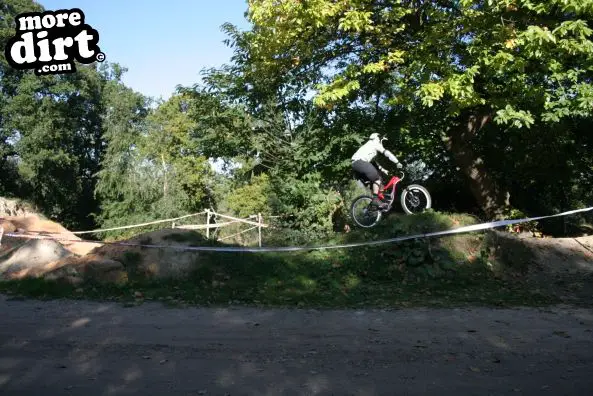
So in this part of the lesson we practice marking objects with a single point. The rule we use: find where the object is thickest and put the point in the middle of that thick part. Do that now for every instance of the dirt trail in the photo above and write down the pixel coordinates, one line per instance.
(86, 348)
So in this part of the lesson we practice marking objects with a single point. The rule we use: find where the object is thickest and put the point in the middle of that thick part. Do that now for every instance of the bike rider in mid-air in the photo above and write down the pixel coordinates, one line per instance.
(364, 165)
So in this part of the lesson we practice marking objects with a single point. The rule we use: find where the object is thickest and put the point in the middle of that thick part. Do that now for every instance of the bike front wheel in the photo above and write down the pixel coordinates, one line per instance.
(415, 199)
(363, 214)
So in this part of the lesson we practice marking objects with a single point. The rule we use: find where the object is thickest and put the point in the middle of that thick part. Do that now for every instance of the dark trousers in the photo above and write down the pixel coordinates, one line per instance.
(366, 171)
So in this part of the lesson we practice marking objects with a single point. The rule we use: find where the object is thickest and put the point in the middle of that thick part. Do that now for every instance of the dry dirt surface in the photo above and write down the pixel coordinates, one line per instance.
(562, 267)
(22, 257)
(15, 207)
(161, 262)
(89, 348)
(34, 225)
(19, 256)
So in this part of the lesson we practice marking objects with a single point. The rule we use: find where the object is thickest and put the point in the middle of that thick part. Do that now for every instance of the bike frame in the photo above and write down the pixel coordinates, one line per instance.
(393, 182)
(389, 188)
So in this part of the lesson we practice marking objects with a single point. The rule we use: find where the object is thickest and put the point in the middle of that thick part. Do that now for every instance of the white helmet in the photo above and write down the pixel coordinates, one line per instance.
(376, 136)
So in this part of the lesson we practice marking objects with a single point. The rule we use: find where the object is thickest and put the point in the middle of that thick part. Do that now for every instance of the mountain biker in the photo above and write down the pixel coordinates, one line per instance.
(364, 165)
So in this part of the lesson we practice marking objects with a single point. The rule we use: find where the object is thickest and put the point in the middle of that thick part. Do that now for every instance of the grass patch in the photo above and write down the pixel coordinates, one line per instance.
(335, 289)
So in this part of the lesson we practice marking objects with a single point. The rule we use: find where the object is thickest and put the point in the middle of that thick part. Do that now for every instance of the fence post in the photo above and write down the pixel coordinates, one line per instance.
(207, 223)
(259, 228)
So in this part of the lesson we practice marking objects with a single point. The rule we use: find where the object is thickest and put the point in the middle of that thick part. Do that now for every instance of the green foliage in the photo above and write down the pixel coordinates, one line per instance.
(518, 118)
(56, 124)
(530, 226)
(524, 65)
(306, 207)
(153, 168)
(252, 198)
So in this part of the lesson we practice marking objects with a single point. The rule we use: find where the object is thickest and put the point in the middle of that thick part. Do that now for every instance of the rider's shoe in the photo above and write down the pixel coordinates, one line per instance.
(377, 203)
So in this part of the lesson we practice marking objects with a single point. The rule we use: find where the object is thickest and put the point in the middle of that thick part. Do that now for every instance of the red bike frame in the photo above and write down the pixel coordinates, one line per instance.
(392, 184)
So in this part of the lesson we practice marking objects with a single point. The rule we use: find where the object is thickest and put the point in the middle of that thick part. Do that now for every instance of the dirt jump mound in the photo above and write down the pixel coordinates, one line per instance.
(65, 258)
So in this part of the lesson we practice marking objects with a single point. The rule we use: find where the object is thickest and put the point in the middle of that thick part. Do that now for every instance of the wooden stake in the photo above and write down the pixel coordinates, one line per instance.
(208, 223)
(259, 228)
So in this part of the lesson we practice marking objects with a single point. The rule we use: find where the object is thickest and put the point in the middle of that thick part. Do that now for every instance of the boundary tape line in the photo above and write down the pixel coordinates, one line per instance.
(459, 230)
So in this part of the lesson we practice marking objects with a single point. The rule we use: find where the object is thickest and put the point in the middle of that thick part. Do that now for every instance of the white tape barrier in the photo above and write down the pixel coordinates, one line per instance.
(459, 230)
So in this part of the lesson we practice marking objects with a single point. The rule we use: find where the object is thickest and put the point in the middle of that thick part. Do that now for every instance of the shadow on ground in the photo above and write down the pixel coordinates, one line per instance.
(86, 348)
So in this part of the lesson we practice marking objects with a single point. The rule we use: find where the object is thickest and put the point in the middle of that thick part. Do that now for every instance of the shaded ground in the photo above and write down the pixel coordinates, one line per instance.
(85, 348)
(558, 267)
(564, 267)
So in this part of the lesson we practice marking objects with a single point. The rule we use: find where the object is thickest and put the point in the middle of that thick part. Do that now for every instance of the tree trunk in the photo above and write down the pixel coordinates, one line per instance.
(491, 199)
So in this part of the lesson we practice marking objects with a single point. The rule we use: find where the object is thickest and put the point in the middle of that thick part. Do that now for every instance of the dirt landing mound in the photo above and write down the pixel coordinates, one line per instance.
(558, 266)
(553, 255)
(586, 242)
(34, 225)
(32, 254)
(21, 257)
(564, 255)
(75, 261)
(76, 270)
(156, 262)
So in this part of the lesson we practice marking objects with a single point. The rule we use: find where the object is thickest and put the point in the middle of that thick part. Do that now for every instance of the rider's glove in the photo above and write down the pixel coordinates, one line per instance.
(399, 165)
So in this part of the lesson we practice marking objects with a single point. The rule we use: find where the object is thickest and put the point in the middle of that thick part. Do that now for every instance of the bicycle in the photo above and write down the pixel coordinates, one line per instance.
(409, 201)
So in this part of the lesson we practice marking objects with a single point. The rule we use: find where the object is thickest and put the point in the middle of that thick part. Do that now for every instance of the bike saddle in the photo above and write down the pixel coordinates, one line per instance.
(361, 179)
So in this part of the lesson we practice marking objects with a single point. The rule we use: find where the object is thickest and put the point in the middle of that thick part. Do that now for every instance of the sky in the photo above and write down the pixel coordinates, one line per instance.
(162, 43)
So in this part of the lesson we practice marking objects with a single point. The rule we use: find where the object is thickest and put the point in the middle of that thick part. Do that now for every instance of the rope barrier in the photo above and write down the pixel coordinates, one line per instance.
(238, 233)
(137, 225)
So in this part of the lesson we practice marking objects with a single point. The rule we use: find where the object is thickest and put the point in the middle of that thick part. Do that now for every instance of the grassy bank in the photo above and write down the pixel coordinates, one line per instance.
(448, 271)
(329, 291)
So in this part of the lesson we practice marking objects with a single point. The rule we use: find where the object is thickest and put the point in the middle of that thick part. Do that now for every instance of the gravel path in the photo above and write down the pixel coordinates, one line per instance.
(88, 348)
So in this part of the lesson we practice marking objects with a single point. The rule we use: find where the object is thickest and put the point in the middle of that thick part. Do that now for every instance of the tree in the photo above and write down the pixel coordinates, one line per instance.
(513, 62)
(268, 126)
(53, 129)
(153, 166)
(9, 78)
(169, 143)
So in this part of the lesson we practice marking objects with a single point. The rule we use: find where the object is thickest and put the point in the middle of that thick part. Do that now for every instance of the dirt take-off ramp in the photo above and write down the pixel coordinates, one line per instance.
(67, 257)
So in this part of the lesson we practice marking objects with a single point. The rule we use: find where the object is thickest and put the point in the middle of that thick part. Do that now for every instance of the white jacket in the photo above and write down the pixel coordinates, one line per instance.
(369, 151)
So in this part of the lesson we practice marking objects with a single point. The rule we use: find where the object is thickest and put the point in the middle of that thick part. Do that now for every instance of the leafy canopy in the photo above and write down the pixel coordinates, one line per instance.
(525, 60)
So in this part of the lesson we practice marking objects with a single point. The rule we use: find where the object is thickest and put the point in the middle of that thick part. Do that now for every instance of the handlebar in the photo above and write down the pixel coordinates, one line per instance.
(403, 174)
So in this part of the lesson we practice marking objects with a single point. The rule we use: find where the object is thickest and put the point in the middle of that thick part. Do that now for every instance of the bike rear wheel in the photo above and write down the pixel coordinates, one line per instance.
(363, 214)
(415, 199)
